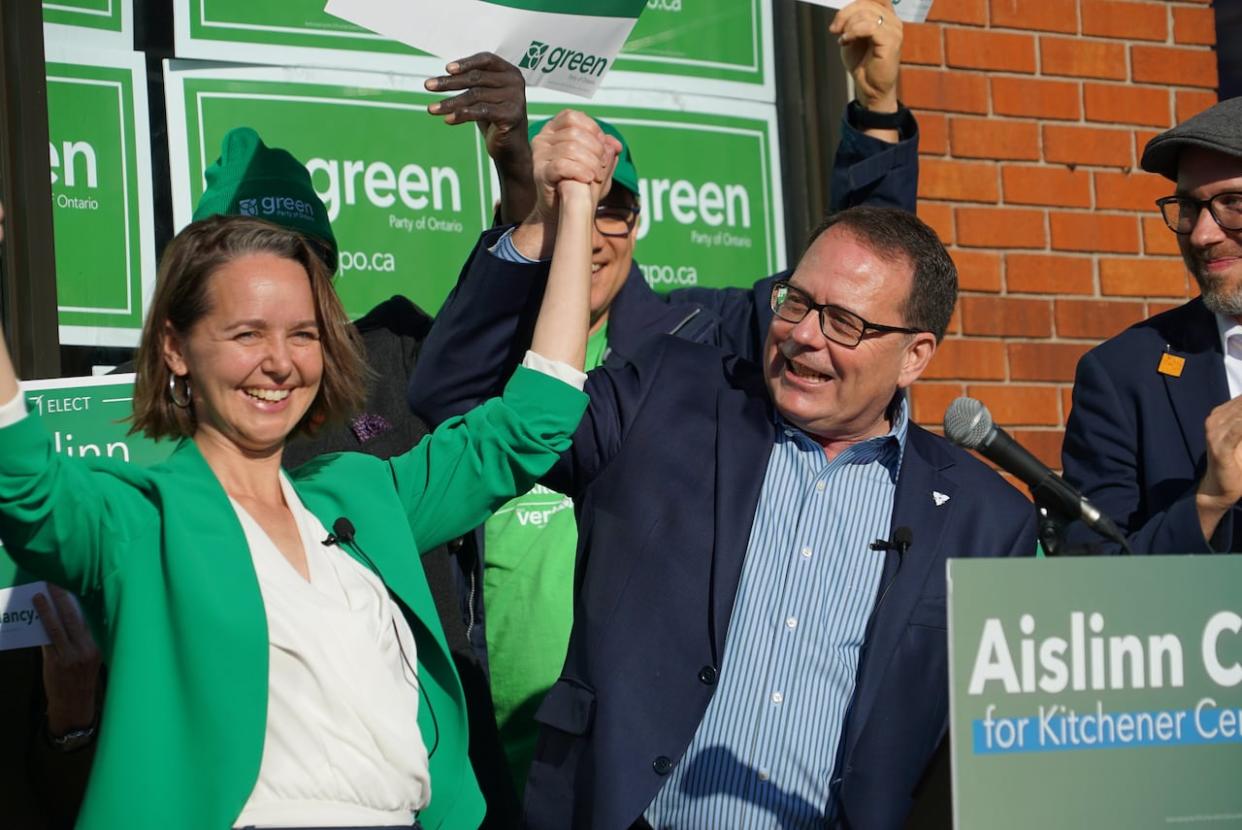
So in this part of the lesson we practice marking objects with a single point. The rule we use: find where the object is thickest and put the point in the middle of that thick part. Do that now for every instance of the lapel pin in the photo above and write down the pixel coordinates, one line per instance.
(1171, 365)
(939, 498)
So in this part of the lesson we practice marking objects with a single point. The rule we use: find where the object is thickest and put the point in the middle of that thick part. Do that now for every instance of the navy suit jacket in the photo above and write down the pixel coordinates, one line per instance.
(1135, 441)
(665, 472)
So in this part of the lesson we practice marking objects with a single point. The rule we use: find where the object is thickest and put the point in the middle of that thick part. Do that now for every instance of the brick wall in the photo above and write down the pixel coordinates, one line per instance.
(1034, 114)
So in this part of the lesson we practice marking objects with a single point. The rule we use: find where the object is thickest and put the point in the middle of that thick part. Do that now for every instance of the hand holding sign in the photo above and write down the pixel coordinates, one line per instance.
(70, 663)
(870, 35)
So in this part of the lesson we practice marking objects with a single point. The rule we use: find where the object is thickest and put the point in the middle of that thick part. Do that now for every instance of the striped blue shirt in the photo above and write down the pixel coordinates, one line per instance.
(764, 752)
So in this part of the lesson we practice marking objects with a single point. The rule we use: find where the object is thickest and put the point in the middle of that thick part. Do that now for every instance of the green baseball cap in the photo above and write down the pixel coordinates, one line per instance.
(625, 174)
(252, 179)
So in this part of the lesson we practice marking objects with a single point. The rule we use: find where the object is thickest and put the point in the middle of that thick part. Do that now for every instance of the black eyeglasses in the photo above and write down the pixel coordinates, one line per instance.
(840, 325)
(615, 220)
(1181, 213)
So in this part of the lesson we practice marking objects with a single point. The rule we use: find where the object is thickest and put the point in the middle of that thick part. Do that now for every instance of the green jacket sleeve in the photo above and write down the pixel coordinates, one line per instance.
(472, 464)
(60, 519)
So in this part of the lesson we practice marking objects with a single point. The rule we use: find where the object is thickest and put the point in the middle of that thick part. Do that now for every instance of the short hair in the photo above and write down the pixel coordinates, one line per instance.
(181, 299)
(898, 235)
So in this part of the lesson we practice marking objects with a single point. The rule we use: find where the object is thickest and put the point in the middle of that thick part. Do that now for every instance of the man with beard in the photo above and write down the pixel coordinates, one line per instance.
(1155, 435)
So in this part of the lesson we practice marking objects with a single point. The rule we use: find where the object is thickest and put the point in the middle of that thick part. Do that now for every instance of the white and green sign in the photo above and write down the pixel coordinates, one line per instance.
(914, 11)
(407, 194)
(1096, 692)
(99, 145)
(720, 48)
(566, 45)
(710, 187)
(288, 32)
(86, 418)
(99, 24)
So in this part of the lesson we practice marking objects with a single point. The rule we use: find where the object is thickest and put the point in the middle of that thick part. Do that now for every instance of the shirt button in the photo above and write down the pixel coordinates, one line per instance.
(777, 697)
(806, 553)
(821, 485)
(791, 623)
(662, 765)
(707, 675)
(763, 775)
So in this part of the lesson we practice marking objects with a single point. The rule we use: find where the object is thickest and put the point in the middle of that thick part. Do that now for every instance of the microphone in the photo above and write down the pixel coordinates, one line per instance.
(968, 424)
(903, 538)
(342, 533)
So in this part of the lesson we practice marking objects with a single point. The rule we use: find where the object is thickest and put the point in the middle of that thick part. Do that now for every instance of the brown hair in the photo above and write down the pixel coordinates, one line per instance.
(189, 261)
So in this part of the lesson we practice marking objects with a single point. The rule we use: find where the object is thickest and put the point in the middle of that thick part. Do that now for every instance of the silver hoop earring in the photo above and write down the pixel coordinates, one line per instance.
(172, 392)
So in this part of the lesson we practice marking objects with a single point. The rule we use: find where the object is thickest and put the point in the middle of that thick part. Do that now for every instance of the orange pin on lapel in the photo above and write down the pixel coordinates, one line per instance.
(1171, 365)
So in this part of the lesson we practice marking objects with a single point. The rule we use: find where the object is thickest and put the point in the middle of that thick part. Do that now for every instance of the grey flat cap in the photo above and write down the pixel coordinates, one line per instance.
(1217, 128)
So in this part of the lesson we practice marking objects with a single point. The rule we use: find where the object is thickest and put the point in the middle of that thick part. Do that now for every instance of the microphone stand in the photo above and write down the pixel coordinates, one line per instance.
(1052, 524)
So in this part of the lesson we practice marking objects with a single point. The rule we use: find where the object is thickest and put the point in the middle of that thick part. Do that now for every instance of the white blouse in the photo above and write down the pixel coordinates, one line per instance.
(342, 745)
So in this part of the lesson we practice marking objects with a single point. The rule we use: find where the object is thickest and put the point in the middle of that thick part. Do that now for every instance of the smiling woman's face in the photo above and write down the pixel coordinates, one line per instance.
(253, 361)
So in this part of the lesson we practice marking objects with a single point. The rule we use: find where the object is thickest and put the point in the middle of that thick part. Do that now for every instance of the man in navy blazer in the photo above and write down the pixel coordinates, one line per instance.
(727, 512)
(1154, 437)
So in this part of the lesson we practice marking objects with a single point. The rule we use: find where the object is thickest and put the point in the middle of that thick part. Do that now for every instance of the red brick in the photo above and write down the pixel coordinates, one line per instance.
(1082, 58)
(1197, 26)
(1173, 65)
(959, 181)
(1067, 402)
(1000, 228)
(935, 89)
(1019, 405)
(1036, 98)
(981, 49)
(1129, 191)
(1125, 104)
(921, 43)
(967, 359)
(1127, 21)
(1048, 15)
(1056, 186)
(1087, 145)
(1144, 277)
(1049, 274)
(940, 217)
(973, 12)
(989, 138)
(1045, 361)
(1141, 137)
(1044, 444)
(1005, 317)
(1159, 308)
(1095, 319)
(1189, 102)
(1157, 238)
(977, 270)
(933, 133)
(929, 400)
(955, 322)
(1094, 233)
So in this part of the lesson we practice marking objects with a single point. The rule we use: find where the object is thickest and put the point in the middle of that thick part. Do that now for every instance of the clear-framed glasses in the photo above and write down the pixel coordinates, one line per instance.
(1181, 213)
(615, 220)
(840, 325)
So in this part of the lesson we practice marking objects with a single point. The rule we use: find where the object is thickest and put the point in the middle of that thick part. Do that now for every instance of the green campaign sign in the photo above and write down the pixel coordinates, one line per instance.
(104, 15)
(99, 145)
(294, 32)
(407, 194)
(729, 40)
(86, 418)
(710, 190)
(1099, 692)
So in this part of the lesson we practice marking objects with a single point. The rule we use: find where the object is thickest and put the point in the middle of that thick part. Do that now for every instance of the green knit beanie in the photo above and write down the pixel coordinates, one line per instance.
(626, 174)
(252, 179)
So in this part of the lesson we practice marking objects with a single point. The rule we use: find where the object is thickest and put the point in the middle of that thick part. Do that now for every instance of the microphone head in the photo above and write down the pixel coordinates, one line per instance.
(343, 529)
(903, 537)
(967, 423)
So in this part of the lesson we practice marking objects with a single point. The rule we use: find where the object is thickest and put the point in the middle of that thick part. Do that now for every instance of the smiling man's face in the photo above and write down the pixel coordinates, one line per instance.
(1213, 254)
(834, 392)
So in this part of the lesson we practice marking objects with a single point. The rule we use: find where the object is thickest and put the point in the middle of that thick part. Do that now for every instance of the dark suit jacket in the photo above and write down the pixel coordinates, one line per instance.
(1134, 442)
(665, 472)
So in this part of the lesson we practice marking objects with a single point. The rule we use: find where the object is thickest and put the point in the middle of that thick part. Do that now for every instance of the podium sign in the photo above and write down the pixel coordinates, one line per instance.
(1102, 692)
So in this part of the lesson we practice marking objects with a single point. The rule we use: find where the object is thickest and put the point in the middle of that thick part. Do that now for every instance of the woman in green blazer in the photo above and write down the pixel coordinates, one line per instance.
(246, 344)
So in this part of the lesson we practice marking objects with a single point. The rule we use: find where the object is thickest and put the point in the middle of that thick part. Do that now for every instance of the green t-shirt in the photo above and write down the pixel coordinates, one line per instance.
(528, 586)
